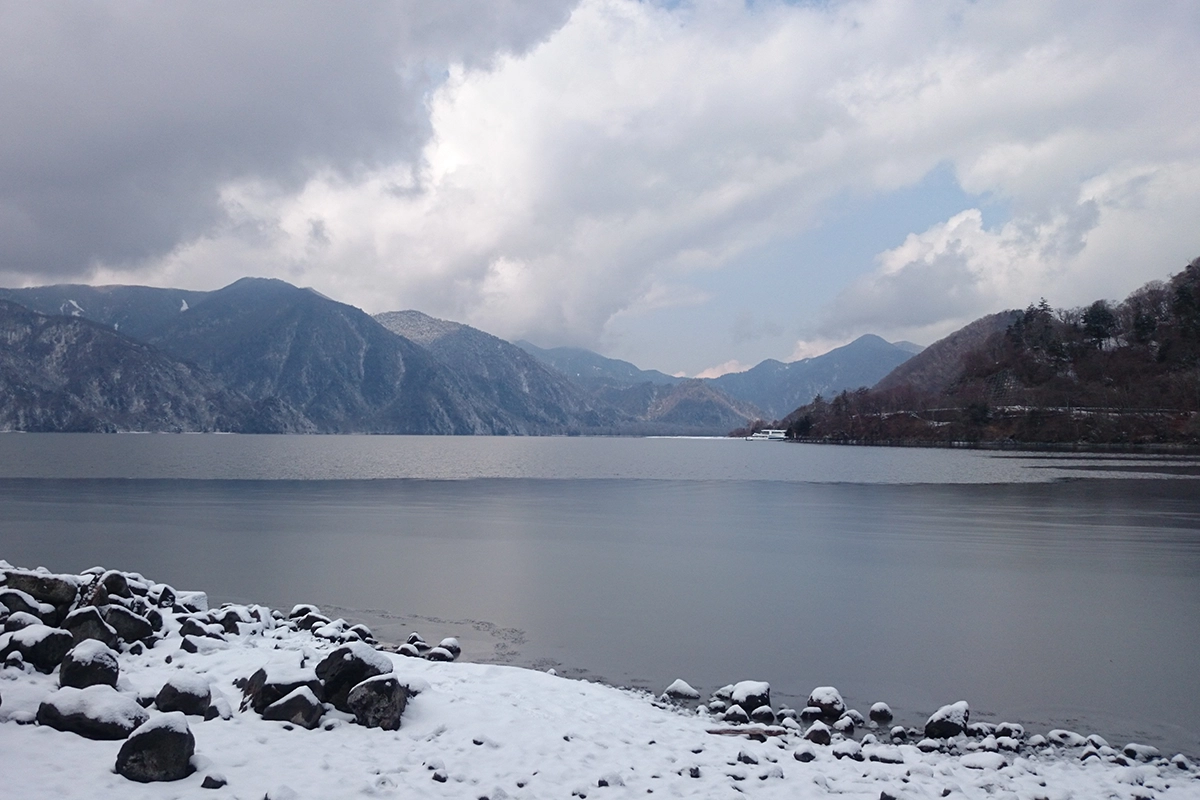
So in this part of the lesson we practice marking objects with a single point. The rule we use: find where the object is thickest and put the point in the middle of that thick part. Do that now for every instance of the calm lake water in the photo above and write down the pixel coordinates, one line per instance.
(1055, 591)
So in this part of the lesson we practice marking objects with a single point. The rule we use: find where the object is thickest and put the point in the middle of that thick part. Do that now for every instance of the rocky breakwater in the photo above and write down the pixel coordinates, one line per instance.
(826, 724)
(111, 656)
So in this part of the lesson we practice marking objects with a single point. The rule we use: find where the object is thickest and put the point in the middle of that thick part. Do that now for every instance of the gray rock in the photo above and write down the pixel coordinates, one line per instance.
(439, 654)
(89, 663)
(300, 707)
(19, 620)
(763, 715)
(348, 666)
(271, 684)
(378, 702)
(880, 713)
(96, 712)
(185, 692)
(17, 601)
(86, 623)
(41, 646)
(129, 626)
(818, 733)
(829, 700)
(158, 750)
(57, 590)
(736, 715)
(948, 721)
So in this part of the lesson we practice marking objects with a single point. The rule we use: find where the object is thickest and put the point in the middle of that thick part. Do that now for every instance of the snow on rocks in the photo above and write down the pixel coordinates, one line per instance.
(348, 666)
(57, 590)
(880, 713)
(828, 700)
(40, 646)
(158, 750)
(751, 694)
(185, 692)
(948, 721)
(378, 702)
(1066, 738)
(97, 712)
(274, 681)
(89, 663)
(299, 707)
(479, 730)
(680, 690)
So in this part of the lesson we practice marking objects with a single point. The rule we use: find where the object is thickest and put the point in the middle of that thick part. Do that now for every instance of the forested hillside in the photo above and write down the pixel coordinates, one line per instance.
(1126, 373)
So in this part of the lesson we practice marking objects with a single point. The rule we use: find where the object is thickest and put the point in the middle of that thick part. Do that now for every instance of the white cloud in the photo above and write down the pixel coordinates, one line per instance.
(723, 369)
(597, 173)
(1126, 227)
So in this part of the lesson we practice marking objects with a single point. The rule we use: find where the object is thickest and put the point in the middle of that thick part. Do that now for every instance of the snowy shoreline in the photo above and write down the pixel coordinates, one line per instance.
(154, 658)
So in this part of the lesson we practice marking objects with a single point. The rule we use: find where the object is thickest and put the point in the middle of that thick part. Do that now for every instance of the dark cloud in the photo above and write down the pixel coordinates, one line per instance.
(122, 119)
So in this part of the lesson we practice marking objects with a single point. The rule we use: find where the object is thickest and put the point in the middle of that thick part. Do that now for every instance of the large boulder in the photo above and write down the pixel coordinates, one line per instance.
(57, 590)
(348, 666)
(17, 601)
(829, 700)
(186, 692)
(378, 702)
(19, 620)
(948, 721)
(40, 645)
(96, 712)
(300, 707)
(751, 695)
(159, 750)
(86, 623)
(89, 663)
(129, 626)
(275, 681)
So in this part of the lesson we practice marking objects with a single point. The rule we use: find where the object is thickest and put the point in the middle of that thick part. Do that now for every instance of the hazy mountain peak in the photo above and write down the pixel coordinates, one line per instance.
(421, 328)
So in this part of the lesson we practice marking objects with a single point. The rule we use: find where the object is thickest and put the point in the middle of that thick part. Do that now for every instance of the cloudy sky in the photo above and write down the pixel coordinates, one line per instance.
(692, 186)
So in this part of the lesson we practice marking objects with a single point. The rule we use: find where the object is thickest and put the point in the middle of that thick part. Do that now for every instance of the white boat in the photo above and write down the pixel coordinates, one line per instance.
(767, 435)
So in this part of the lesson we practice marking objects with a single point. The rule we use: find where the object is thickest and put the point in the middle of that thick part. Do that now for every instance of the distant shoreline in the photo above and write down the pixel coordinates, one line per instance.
(1037, 447)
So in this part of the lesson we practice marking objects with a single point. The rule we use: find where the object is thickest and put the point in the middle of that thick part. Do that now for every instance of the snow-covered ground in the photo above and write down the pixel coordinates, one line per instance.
(475, 730)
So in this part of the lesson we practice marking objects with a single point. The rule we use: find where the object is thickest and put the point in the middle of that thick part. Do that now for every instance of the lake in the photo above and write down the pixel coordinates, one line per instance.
(1050, 590)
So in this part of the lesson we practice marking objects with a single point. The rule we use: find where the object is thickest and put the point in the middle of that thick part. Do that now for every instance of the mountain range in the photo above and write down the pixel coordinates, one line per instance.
(261, 355)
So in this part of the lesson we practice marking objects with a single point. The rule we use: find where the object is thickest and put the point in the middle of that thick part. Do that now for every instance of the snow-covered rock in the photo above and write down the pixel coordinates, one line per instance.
(829, 700)
(185, 692)
(1141, 752)
(130, 627)
(89, 663)
(299, 707)
(763, 715)
(16, 600)
(848, 748)
(57, 590)
(348, 666)
(880, 713)
(1066, 738)
(20, 619)
(97, 712)
(751, 694)
(158, 750)
(378, 702)
(276, 680)
(948, 721)
(681, 690)
(40, 646)
(818, 733)
(87, 623)
(736, 715)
